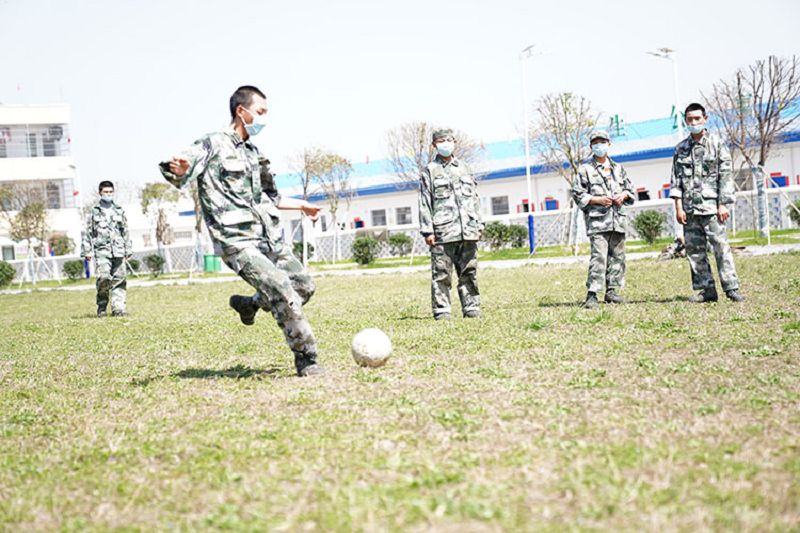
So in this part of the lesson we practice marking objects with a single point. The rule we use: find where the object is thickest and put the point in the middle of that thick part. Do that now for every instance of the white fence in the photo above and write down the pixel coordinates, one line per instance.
(552, 227)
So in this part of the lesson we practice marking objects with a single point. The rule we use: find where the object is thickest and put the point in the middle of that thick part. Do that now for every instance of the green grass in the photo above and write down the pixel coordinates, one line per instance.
(656, 415)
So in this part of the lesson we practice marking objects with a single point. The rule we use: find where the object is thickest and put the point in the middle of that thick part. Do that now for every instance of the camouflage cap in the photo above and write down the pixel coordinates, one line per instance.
(442, 133)
(599, 134)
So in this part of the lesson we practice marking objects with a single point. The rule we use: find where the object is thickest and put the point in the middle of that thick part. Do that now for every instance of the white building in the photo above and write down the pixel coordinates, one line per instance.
(35, 154)
(644, 148)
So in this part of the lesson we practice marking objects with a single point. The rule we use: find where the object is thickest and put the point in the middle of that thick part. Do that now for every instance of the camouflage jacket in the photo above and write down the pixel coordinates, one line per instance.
(236, 209)
(701, 175)
(449, 207)
(594, 180)
(105, 233)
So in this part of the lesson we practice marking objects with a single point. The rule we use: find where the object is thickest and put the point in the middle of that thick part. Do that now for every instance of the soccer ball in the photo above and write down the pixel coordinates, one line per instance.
(371, 347)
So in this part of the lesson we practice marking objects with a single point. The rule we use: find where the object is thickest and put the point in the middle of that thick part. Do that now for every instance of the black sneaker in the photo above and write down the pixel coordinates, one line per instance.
(119, 313)
(476, 313)
(246, 307)
(734, 295)
(706, 296)
(613, 298)
(591, 301)
(101, 312)
(443, 316)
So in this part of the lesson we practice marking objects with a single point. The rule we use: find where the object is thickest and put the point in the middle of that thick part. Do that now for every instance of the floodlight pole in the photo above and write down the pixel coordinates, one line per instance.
(524, 55)
(671, 55)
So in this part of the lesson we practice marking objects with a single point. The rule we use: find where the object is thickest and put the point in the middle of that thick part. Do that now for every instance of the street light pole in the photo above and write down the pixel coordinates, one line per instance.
(523, 56)
(671, 55)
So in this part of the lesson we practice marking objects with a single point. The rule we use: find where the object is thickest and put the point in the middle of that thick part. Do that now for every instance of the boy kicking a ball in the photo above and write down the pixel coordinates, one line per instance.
(241, 207)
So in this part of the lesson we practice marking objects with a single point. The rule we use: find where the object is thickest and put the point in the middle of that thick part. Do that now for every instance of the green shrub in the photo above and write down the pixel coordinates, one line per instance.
(73, 269)
(298, 249)
(7, 274)
(649, 224)
(793, 212)
(496, 234)
(155, 263)
(134, 264)
(400, 244)
(364, 250)
(517, 236)
(61, 244)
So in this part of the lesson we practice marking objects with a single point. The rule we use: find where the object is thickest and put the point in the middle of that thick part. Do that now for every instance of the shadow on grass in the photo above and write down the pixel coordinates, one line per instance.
(574, 303)
(234, 372)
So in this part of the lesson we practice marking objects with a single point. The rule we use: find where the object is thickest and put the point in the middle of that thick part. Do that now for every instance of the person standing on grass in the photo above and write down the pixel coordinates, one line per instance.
(601, 189)
(107, 240)
(702, 187)
(450, 221)
(241, 208)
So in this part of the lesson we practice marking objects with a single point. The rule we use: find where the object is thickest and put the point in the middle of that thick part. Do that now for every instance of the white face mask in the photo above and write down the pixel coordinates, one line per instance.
(600, 149)
(107, 198)
(445, 148)
(696, 128)
(259, 121)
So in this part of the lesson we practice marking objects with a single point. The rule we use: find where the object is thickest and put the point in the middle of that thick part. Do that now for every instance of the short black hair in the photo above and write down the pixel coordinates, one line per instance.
(694, 106)
(104, 184)
(243, 96)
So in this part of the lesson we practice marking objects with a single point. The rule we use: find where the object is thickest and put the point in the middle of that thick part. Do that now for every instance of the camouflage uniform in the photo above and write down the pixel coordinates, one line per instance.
(106, 238)
(605, 226)
(701, 176)
(239, 202)
(449, 208)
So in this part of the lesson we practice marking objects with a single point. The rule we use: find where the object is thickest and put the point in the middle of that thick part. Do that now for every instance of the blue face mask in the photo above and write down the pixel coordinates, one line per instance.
(696, 128)
(259, 121)
(106, 198)
(600, 149)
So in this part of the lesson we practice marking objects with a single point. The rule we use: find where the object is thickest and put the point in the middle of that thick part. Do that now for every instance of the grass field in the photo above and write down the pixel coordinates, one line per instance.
(658, 415)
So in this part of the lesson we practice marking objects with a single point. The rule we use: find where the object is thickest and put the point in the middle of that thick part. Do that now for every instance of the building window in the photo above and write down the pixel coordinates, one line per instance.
(403, 216)
(8, 253)
(379, 217)
(297, 231)
(53, 195)
(32, 145)
(500, 205)
(183, 235)
(323, 220)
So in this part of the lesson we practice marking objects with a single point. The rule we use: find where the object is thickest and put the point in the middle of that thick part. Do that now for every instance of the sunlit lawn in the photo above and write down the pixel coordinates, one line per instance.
(656, 415)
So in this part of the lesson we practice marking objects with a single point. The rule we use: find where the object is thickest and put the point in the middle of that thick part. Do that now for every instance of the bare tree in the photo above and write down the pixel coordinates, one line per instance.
(155, 200)
(22, 205)
(560, 132)
(410, 150)
(307, 167)
(334, 181)
(751, 109)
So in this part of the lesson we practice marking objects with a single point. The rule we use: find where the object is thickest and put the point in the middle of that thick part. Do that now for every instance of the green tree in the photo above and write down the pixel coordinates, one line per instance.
(365, 249)
(649, 224)
(61, 244)
(73, 269)
(156, 199)
(155, 263)
(496, 234)
(7, 274)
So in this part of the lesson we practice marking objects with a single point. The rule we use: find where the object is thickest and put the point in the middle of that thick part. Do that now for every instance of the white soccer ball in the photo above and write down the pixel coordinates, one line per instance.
(371, 347)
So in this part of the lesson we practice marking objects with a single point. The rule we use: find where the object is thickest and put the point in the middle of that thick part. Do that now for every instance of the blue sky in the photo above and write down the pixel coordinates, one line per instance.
(146, 78)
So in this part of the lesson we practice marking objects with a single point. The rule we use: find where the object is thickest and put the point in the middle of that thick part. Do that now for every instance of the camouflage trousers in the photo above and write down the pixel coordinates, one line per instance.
(607, 263)
(282, 287)
(464, 256)
(699, 232)
(111, 278)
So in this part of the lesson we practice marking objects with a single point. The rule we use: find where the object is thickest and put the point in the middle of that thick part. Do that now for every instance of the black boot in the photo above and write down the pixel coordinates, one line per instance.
(591, 301)
(101, 312)
(307, 366)
(246, 307)
(709, 294)
(613, 298)
(734, 295)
